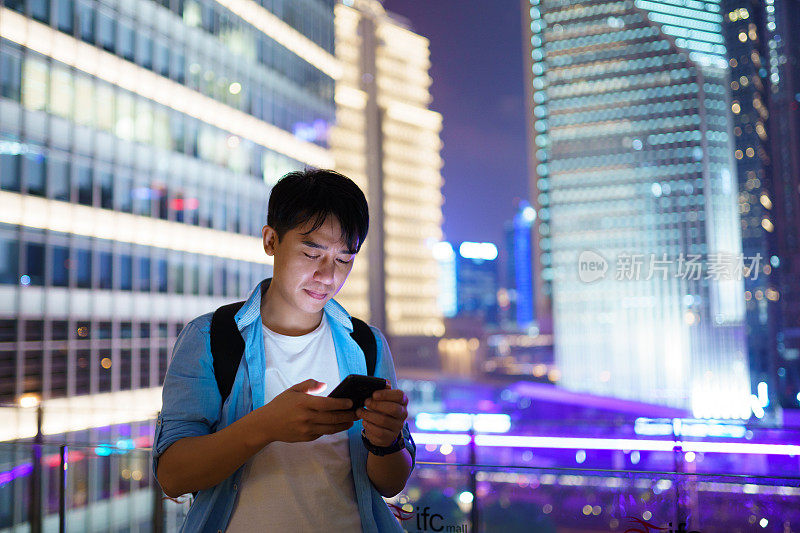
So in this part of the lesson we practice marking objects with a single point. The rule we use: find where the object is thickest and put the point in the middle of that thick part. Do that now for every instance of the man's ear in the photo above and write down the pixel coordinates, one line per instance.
(270, 239)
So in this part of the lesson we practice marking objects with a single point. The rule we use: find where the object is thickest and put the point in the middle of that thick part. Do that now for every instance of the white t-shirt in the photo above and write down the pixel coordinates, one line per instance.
(299, 486)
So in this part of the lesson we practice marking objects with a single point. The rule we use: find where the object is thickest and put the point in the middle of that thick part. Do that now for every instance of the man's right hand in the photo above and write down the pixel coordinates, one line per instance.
(197, 463)
(297, 416)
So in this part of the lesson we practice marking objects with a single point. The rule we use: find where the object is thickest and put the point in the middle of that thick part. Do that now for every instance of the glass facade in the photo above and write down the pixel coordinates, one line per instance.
(137, 153)
(633, 158)
(783, 49)
(745, 31)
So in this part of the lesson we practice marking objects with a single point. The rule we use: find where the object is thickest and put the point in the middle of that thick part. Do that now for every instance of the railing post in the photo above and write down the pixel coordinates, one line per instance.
(62, 489)
(677, 456)
(473, 482)
(35, 504)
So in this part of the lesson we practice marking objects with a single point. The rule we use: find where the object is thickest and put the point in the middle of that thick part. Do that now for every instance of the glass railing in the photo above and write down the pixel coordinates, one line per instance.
(51, 487)
(104, 487)
(498, 498)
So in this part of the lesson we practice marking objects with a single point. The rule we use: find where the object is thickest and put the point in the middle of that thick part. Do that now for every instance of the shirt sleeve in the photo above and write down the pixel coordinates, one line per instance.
(190, 398)
(384, 368)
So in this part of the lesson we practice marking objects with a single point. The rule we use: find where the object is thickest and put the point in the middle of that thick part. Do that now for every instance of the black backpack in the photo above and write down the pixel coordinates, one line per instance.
(227, 346)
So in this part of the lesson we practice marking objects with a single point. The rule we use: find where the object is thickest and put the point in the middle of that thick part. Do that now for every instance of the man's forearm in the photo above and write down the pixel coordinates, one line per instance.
(197, 463)
(389, 473)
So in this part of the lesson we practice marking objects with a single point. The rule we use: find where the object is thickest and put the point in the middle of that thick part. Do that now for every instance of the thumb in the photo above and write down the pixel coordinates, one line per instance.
(309, 385)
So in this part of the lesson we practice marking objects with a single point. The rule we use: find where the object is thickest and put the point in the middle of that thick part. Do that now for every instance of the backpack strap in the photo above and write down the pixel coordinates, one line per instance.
(365, 339)
(227, 346)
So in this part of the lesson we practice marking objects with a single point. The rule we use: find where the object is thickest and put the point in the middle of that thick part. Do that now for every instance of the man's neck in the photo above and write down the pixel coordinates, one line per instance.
(274, 315)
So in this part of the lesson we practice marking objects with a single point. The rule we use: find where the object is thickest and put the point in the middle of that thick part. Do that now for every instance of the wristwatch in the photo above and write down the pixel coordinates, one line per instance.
(398, 444)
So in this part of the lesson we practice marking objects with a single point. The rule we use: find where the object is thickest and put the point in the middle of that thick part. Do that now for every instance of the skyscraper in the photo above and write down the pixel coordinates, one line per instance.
(387, 140)
(632, 167)
(783, 49)
(477, 282)
(519, 266)
(138, 143)
(744, 23)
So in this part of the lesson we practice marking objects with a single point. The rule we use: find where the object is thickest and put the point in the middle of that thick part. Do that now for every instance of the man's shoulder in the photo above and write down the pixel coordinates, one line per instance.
(202, 323)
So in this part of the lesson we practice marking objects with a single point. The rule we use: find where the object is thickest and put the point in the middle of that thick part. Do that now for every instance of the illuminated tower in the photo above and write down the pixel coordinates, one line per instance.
(744, 22)
(387, 140)
(783, 49)
(632, 164)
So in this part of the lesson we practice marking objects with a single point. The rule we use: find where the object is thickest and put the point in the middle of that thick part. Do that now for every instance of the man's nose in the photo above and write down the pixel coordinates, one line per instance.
(325, 270)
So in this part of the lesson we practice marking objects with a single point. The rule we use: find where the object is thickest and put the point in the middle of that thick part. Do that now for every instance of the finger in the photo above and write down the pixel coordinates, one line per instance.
(333, 417)
(379, 436)
(309, 385)
(392, 409)
(381, 420)
(324, 403)
(391, 395)
(330, 429)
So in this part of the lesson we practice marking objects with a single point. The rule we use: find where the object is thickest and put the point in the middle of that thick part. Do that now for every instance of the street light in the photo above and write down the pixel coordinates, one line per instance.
(29, 400)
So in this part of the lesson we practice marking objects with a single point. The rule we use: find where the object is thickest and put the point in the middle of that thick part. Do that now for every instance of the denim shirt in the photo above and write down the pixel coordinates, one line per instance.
(191, 407)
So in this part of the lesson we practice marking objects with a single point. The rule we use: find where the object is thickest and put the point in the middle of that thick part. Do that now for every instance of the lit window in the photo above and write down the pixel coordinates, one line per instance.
(34, 83)
(84, 106)
(104, 107)
(61, 93)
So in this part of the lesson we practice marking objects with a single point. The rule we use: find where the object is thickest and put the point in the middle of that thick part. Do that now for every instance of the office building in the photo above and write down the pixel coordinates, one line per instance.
(517, 300)
(387, 140)
(477, 282)
(783, 53)
(138, 144)
(634, 181)
(744, 23)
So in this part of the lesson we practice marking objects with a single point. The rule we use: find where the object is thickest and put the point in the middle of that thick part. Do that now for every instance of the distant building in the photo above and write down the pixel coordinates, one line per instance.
(477, 282)
(138, 144)
(783, 51)
(518, 279)
(448, 287)
(631, 161)
(744, 22)
(387, 139)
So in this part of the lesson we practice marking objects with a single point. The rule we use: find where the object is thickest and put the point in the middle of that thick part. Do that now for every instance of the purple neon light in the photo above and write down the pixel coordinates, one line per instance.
(589, 443)
(14, 473)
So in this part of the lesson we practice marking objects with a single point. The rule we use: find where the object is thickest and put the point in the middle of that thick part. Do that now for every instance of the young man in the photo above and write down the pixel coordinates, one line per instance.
(277, 454)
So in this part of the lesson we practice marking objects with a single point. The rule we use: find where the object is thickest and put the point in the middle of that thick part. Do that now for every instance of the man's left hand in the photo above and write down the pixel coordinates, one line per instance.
(384, 416)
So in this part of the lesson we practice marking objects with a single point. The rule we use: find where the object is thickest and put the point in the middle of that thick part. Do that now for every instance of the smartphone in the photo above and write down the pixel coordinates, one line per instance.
(358, 388)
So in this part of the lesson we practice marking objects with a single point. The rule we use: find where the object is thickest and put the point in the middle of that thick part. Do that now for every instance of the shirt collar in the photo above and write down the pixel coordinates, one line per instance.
(251, 310)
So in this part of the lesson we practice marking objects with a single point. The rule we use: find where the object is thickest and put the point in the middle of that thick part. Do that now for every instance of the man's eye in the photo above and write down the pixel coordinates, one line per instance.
(342, 261)
(310, 256)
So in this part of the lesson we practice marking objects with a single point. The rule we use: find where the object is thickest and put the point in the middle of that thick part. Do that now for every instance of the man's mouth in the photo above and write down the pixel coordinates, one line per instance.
(316, 295)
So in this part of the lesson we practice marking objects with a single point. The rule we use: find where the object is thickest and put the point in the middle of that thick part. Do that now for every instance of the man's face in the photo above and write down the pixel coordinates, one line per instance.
(309, 268)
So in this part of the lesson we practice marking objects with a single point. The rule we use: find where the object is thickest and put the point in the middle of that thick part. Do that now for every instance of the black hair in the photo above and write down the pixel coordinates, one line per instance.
(314, 195)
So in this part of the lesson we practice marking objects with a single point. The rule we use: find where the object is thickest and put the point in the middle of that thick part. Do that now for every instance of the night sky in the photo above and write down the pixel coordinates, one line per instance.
(477, 71)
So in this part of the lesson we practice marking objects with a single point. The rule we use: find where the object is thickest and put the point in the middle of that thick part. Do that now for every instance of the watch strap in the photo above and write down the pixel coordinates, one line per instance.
(398, 444)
